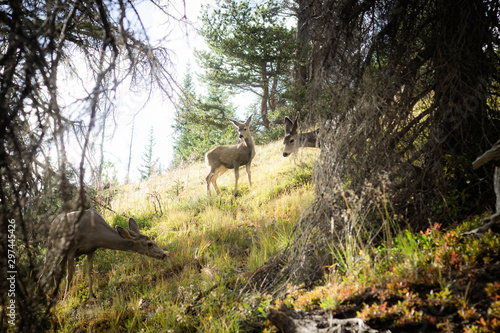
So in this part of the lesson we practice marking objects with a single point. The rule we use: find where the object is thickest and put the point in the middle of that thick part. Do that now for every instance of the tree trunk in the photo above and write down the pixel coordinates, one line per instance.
(302, 39)
(130, 152)
(103, 136)
(272, 97)
(496, 186)
(265, 98)
(461, 76)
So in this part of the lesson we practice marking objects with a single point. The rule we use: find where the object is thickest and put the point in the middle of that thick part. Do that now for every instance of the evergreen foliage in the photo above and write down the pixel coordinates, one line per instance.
(150, 165)
(251, 49)
(201, 122)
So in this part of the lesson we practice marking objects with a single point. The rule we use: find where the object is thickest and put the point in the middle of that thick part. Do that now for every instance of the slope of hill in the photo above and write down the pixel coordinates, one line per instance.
(213, 243)
(433, 281)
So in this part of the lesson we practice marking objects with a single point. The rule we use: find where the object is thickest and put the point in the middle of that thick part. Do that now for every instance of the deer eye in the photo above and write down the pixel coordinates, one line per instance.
(150, 244)
(292, 140)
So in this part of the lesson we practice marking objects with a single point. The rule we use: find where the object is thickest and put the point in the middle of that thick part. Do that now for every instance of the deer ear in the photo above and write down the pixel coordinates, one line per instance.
(132, 225)
(295, 125)
(249, 120)
(235, 123)
(288, 125)
(124, 233)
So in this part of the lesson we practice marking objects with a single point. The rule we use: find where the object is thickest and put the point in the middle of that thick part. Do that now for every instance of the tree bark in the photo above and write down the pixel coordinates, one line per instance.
(265, 98)
(303, 40)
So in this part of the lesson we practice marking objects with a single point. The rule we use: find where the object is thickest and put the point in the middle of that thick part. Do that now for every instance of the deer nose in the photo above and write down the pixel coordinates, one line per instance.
(285, 154)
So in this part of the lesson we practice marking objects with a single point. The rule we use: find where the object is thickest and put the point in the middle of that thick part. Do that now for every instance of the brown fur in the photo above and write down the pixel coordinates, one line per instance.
(294, 140)
(222, 158)
(92, 232)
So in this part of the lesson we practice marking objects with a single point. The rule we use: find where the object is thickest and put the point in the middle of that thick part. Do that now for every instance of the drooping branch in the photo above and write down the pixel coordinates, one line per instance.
(39, 41)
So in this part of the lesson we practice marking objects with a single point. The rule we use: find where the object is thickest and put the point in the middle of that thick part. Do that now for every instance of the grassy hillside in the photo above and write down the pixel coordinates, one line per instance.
(214, 245)
(433, 281)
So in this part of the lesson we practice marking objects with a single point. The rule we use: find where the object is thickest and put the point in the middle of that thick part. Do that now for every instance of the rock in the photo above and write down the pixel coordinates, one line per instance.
(289, 321)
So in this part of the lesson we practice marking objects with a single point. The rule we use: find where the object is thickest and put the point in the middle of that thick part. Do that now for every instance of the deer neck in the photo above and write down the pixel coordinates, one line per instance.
(103, 236)
(308, 139)
(249, 142)
(116, 242)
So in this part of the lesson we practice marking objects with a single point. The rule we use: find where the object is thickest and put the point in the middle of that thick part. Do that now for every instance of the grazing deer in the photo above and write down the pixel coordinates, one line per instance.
(221, 158)
(293, 140)
(92, 232)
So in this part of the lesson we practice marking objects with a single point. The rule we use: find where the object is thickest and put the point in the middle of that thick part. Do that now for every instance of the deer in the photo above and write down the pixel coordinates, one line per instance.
(294, 140)
(222, 158)
(91, 232)
(491, 156)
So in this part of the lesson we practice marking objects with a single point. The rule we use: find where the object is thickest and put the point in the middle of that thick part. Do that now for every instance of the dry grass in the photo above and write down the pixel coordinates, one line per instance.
(215, 244)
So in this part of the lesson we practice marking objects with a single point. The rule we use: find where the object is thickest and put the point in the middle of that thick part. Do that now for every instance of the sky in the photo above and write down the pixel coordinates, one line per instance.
(158, 113)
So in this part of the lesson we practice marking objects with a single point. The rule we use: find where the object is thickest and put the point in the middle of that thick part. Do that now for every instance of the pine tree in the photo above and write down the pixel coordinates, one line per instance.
(150, 166)
(251, 50)
(201, 122)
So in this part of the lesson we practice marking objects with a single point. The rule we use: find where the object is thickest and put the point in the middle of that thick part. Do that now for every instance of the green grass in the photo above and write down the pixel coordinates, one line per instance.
(214, 244)
(436, 278)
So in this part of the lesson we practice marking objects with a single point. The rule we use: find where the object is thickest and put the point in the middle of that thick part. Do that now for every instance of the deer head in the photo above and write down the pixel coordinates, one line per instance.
(294, 140)
(243, 128)
(291, 137)
(139, 242)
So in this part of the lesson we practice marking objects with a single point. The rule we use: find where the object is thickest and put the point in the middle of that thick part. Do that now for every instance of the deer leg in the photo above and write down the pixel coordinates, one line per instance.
(62, 265)
(209, 180)
(216, 175)
(214, 180)
(249, 174)
(90, 263)
(214, 183)
(70, 263)
(236, 176)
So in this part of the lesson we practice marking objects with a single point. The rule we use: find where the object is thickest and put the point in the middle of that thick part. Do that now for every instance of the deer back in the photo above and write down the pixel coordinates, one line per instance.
(229, 156)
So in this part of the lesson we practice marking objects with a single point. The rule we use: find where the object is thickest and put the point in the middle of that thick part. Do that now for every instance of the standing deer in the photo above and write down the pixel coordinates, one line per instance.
(92, 232)
(221, 158)
(293, 140)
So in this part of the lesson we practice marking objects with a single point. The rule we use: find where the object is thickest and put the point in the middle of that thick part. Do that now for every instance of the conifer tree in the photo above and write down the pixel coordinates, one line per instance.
(201, 122)
(150, 166)
(251, 50)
